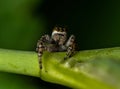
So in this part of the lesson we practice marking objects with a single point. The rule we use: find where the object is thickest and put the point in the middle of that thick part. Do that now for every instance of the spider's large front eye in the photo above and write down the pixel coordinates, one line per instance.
(59, 38)
(62, 39)
(56, 37)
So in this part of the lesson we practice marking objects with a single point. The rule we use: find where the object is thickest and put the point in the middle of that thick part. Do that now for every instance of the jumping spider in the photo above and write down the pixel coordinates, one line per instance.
(56, 43)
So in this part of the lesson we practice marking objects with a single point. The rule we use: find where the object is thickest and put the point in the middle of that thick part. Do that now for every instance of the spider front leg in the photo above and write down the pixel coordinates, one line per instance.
(70, 47)
(41, 47)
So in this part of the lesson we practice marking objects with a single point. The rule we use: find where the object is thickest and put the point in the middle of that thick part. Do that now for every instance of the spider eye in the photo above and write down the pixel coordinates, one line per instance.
(55, 37)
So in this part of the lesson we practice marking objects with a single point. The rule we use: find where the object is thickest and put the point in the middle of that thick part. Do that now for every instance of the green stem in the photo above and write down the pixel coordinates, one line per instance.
(92, 69)
(21, 62)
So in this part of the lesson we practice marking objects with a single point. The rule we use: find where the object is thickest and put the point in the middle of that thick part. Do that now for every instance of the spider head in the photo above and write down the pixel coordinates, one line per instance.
(59, 35)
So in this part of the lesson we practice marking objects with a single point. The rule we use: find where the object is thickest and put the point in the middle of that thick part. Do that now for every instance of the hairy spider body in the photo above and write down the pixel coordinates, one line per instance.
(56, 43)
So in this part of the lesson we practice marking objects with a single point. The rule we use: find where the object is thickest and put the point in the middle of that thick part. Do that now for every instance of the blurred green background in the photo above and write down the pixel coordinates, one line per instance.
(95, 23)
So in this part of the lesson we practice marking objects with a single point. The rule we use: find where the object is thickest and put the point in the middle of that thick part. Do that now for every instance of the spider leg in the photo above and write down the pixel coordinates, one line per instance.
(41, 47)
(45, 39)
(70, 47)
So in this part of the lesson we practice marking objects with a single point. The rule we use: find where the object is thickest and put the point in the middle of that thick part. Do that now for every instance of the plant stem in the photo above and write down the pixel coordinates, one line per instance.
(21, 62)
(91, 69)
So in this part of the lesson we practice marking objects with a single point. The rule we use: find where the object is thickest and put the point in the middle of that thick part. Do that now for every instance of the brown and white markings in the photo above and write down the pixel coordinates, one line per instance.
(57, 42)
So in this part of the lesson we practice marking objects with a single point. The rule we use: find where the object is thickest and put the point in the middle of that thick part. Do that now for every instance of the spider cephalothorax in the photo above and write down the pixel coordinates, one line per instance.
(56, 43)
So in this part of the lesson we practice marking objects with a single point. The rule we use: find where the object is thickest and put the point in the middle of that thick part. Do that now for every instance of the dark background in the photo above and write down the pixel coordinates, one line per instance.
(95, 23)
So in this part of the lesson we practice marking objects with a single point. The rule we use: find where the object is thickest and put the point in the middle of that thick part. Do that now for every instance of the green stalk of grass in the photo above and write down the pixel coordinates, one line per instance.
(90, 69)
